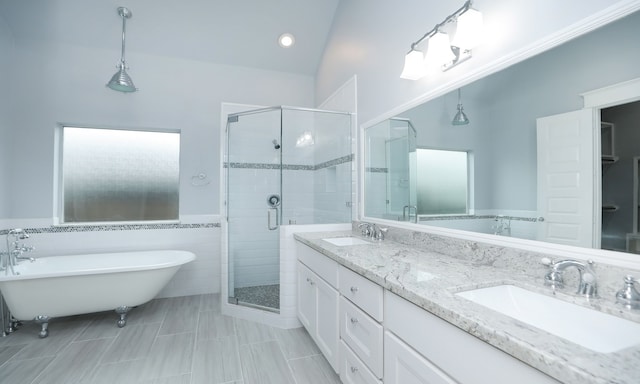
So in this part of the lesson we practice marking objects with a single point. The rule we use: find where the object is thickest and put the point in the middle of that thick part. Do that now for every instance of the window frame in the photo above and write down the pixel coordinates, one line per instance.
(469, 206)
(58, 174)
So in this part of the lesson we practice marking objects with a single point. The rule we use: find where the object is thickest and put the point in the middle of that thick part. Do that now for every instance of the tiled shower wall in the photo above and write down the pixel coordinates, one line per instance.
(316, 185)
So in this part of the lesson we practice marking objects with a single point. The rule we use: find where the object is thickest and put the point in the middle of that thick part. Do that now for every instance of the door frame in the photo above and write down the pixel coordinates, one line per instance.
(596, 100)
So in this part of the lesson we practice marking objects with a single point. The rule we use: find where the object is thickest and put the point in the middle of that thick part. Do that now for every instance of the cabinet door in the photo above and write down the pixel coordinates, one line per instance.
(326, 310)
(403, 365)
(306, 299)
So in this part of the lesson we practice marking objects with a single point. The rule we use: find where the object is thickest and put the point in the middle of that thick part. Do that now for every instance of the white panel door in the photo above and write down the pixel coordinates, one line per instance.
(306, 298)
(566, 176)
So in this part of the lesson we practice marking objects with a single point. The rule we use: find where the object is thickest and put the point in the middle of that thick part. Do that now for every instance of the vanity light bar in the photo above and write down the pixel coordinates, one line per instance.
(442, 53)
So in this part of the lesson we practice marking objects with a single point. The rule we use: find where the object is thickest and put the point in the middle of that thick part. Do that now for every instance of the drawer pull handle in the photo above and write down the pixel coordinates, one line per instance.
(354, 289)
(354, 320)
(354, 369)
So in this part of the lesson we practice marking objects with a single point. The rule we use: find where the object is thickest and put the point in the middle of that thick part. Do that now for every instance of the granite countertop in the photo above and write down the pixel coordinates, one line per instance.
(430, 280)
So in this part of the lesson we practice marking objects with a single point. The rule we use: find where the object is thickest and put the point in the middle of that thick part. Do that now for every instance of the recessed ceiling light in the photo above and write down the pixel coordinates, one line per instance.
(286, 40)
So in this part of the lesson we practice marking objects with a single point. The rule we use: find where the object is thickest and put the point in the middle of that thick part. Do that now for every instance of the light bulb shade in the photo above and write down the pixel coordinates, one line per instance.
(439, 52)
(121, 81)
(468, 29)
(460, 118)
(413, 66)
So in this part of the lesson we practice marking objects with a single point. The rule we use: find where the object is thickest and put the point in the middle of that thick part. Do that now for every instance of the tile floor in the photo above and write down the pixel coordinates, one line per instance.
(184, 340)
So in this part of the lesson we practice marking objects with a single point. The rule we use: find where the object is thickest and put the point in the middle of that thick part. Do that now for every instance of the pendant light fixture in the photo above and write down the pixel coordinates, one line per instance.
(460, 118)
(121, 81)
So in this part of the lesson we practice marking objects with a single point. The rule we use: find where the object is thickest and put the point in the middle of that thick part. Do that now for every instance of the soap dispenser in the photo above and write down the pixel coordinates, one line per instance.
(629, 296)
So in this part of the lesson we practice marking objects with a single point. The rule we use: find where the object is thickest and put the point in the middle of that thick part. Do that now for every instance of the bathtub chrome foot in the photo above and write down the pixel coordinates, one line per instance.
(122, 311)
(44, 323)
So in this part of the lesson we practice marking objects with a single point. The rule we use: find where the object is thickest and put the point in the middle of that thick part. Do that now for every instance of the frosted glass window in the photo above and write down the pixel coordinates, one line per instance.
(119, 175)
(442, 182)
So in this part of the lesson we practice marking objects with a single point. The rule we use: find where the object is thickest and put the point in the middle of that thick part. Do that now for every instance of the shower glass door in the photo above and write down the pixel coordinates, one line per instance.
(254, 208)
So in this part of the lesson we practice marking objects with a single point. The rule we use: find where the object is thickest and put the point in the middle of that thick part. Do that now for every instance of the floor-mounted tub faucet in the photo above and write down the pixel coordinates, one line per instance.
(15, 250)
(588, 286)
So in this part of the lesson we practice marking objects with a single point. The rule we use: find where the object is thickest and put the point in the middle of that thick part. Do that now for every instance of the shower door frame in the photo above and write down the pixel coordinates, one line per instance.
(287, 316)
(233, 300)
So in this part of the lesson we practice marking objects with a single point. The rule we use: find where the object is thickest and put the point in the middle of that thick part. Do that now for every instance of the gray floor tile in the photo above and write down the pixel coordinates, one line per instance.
(7, 352)
(296, 343)
(170, 355)
(133, 342)
(210, 303)
(103, 326)
(250, 332)
(216, 361)
(24, 371)
(264, 363)
(313, 370)
(182, 315)
(212, 325)
(183, 340)
(153, 311)
(123, 372)
(83, 356)
(61, 334)
(182, 379)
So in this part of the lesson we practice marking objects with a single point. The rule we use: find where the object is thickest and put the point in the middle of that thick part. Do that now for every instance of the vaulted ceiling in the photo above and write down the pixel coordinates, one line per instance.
(232, 32)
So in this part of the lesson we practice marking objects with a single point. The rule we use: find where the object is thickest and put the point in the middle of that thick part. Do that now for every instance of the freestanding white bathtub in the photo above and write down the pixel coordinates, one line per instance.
(71, 285)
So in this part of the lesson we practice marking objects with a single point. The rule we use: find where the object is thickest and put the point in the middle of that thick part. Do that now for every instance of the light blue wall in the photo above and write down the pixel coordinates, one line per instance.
(66, 84)
(6, 50)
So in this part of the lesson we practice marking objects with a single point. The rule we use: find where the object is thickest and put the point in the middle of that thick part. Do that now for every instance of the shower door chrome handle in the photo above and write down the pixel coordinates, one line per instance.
(275, 209)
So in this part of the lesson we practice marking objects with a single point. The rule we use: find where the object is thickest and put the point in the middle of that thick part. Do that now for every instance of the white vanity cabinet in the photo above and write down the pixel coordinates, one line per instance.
(432, 344)
(318, 301)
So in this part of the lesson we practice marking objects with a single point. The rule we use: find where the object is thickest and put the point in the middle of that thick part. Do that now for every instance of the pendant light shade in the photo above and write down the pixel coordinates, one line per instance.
(121, 81)
(460, 118)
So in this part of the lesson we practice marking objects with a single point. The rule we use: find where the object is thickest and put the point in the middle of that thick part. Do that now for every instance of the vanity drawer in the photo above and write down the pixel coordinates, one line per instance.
(352, 370)
(363, 334)
(322, 265)
(362, 292)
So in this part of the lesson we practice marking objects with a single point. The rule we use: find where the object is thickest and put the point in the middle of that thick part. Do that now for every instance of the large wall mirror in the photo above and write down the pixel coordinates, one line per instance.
(507, 172)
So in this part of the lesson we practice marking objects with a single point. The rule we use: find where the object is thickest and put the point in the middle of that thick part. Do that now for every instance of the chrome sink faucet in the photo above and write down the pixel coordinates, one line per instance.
(588, 286)
(372, 231)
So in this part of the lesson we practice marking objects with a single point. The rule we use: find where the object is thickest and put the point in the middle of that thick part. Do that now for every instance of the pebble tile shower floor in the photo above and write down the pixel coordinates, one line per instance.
(183, 340)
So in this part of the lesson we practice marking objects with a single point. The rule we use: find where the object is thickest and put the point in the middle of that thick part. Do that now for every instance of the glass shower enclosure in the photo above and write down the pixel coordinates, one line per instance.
(283, 166)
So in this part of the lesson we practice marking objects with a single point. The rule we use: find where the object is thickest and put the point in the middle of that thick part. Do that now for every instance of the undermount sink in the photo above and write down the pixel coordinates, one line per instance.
(348, 240)
(595, 330)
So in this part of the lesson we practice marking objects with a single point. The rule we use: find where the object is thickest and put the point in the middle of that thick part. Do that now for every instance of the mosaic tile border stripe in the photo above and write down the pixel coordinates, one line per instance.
(114, 227)
(376, 170)
(292, 167)
(477, 217)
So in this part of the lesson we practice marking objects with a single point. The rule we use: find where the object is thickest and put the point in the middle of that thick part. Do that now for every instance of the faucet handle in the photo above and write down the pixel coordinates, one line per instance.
(629, 296)
(553, 277)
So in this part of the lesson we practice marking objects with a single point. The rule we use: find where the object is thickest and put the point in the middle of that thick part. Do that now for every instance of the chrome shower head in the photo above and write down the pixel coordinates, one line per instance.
(275, 144)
